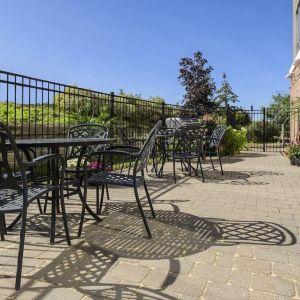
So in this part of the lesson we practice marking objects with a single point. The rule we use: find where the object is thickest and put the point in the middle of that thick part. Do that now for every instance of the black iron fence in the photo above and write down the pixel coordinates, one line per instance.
(34, 107)
(268, 129)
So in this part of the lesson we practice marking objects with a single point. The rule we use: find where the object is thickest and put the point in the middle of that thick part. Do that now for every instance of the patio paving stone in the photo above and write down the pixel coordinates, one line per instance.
(275, 285)
(129, 272)
(217, 290)
(233, 237)
(256, 295)
(240, 278)
(211, 272)
(185, 284)
(252, 265)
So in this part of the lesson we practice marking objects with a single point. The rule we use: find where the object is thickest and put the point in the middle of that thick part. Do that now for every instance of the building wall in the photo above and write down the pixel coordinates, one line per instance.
(295, 80)
(295, 7)
(295, 99)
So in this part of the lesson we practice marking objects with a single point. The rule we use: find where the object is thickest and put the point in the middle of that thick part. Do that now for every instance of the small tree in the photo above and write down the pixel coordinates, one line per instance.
(280, 110)
(225, 95)
(196, 78)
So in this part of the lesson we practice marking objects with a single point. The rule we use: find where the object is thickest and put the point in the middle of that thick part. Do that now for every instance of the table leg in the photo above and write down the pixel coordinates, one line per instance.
(55, 194)
(81, 196)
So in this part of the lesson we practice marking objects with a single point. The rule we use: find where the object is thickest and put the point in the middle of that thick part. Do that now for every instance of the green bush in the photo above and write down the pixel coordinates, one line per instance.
(293, 151)
(242, 118)
(46, 114)
(235, 140)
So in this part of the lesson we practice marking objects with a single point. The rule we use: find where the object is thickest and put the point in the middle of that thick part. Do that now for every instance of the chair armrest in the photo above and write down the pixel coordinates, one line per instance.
(43, 158)
(124, 148)
(112, 152)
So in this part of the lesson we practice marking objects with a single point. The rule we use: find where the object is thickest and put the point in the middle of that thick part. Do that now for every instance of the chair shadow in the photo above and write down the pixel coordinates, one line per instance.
(251, 154)
(85, 265)
(203, 232)
(237, 178)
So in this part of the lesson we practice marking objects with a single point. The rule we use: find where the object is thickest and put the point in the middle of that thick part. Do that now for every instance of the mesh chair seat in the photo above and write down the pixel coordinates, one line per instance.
(11, 200)
(115, 179)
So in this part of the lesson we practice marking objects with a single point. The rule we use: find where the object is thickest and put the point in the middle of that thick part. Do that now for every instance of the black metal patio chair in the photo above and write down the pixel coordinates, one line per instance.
(188, 145)
(213, 146)
(135, 180)
(74, 174)
(16, 193)
(125, 139)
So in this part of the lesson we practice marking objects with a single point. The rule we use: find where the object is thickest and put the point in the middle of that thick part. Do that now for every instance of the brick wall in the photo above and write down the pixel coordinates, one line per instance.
(295, 101)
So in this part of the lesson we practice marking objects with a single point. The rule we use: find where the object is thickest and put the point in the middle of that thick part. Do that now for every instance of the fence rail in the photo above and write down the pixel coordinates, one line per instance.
(40, 108)
(35, 107)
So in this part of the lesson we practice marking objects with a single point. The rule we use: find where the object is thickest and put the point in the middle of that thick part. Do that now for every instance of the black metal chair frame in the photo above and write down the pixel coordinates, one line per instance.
(188, 145)
(162, 147)
(134, 180)
(213, 146)
(74, 176)
(125, 139)
(17, 193)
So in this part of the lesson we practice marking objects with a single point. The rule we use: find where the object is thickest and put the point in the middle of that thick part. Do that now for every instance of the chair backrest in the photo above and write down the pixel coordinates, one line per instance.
(86, 131)
(124, 138)
(144, 154)
(7, 178)
(188, 139)
(217, 136)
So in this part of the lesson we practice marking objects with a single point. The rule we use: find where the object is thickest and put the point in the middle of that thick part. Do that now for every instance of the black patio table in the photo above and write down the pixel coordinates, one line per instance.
(54, 144)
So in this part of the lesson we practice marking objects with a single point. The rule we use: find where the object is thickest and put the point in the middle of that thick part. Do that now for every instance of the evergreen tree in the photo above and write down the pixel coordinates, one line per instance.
(224, 95)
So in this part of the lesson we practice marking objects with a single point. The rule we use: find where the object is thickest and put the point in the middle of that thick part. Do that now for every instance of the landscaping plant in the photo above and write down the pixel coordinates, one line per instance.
(235, 140)
(293, 152)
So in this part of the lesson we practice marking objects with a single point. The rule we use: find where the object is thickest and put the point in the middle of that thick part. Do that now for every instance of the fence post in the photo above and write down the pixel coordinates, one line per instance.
(111, 104)
(264, 129)
(163, 119)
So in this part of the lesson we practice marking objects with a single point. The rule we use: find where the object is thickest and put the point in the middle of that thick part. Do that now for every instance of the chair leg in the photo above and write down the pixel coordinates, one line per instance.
(45, 204)
(190, 167)
(129, 167)
(53, 221)
(2, 227)
(40, 206)
(64, 215)
(13, 224)
(97, 199)
(174, 172)
(201, 169)
(142, 212)
(83, 200)
(212, 163)
(155, 166)
(107, 193)
(102, 198)
(149, 199)
(122, 167)
(21, 249)
(220, 162)
(4, 224)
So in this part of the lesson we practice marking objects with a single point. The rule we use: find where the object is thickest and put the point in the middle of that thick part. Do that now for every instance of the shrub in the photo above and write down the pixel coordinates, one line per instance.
(210, 125)
(235, 140)
(242, 118)
(293, 151)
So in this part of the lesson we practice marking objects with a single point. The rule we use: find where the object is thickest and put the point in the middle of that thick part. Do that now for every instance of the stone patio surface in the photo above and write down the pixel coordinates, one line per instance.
(233, 237)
